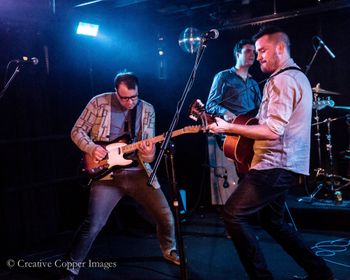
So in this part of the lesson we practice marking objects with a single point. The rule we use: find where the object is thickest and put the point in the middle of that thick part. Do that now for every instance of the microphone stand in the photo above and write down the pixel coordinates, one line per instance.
(319, 170)
(165, 144)
(307, 69)
(2, 93)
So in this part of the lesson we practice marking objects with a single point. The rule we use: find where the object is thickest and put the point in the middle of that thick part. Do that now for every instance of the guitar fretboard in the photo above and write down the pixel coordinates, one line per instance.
(189, 129)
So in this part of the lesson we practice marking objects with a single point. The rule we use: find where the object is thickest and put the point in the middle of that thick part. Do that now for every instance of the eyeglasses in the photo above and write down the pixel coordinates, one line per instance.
(127, 98)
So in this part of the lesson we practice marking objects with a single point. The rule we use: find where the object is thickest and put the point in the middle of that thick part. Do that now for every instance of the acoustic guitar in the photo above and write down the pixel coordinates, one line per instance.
(118, 150)
(235, 147)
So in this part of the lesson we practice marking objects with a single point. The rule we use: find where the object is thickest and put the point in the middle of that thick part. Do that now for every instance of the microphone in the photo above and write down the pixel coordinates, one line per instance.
(26, 60)
(325, 47)
(210, 35)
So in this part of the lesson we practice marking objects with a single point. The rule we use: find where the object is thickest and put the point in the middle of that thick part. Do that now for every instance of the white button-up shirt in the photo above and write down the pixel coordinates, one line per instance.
(286, 108)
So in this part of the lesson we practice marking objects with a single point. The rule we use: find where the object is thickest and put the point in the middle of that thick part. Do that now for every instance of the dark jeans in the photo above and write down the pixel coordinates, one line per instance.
(104, 196)
(264, 192)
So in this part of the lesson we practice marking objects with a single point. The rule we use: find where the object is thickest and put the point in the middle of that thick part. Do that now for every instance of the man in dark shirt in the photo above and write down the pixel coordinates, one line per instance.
(234, 92)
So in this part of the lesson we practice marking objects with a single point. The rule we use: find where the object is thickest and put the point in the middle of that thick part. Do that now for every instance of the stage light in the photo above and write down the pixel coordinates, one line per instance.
(87, 29)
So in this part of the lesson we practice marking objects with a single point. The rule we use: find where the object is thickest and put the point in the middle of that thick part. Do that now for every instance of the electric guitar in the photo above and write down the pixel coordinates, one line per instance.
(235, 147)
(117, 150)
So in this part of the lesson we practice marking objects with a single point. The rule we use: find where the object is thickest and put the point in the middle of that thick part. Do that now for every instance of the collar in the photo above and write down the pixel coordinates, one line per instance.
(234, 70)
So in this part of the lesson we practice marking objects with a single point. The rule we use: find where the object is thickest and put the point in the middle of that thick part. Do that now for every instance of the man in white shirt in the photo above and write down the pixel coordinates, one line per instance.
(281, 153)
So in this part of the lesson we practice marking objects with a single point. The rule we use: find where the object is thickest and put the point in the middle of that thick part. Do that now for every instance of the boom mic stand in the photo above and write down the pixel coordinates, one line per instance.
(170, 171)
(319, 170)
(317, 134)
(2, 93)
(168, 134)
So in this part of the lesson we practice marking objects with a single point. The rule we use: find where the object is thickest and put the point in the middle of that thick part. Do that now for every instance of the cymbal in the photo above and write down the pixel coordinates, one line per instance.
(317, 89)
(342, 107)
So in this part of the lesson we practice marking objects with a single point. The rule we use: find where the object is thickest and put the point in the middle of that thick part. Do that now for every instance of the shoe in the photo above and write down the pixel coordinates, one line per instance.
(172, 257)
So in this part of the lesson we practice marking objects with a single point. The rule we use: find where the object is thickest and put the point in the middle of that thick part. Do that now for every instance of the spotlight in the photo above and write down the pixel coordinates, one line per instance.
(87, 29)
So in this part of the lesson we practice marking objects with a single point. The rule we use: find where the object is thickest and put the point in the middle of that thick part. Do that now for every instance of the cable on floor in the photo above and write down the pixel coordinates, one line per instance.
(329, 248)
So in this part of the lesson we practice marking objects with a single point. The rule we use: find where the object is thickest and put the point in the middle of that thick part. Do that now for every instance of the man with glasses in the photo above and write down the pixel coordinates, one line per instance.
(107, 118)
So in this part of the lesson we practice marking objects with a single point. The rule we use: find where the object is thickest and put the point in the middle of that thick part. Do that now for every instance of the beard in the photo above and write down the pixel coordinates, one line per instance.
(270, 65)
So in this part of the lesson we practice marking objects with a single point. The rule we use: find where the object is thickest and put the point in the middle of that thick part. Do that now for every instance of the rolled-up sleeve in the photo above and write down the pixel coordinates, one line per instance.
(284, 95)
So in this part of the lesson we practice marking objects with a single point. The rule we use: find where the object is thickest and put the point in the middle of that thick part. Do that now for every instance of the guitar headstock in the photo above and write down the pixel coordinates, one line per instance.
(197, 111)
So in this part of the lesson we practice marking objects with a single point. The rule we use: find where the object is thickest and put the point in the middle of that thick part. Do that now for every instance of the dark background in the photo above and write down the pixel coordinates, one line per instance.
(42, 189)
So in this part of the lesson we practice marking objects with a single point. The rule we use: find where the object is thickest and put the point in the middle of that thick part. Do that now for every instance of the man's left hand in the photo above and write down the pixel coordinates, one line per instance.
(146, 148)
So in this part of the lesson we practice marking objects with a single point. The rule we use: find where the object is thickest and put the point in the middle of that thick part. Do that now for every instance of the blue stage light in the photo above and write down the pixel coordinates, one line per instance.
(87, 29)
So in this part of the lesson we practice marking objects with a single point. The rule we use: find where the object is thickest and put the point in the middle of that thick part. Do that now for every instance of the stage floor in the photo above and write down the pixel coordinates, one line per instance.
(135, 254)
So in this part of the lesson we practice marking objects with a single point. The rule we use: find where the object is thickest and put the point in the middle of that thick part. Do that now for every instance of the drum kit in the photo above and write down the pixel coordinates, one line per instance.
(326, 179)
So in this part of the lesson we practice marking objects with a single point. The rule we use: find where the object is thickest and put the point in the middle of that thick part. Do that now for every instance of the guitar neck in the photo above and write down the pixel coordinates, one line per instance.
(134, 146)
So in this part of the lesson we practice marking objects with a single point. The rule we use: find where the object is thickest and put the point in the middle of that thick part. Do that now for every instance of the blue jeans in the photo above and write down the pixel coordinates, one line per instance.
(104, 196)
(264, 192)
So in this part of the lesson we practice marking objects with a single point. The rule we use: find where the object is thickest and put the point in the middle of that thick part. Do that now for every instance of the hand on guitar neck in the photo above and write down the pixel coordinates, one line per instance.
(236, 147)
(147, 149)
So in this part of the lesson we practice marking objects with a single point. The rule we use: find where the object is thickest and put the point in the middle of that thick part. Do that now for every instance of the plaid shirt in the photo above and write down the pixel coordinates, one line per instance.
(94, 125)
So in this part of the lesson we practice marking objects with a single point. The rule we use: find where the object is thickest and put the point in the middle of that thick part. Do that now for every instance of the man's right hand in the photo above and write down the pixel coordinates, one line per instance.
(219, 126)
(99, 153)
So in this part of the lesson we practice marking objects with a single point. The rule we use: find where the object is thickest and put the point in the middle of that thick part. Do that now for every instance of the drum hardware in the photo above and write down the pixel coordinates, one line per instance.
(318, 90)
(320, 104)
(317, 134)
(329, 120)
(329, 181)
(342, 107)
(345, 154)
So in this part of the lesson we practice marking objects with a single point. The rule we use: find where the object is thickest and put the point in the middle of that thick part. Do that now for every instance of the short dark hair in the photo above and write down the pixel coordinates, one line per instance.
(239, 45)
(272, 30)
(267, 30)
(127, 78)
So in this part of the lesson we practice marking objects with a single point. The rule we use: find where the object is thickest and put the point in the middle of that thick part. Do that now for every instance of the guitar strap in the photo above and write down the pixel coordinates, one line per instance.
(132, 120)
(129, 124)
(286, 69)
(220, 138)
